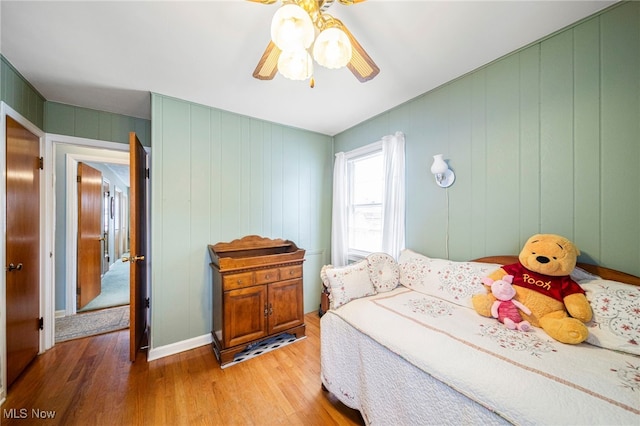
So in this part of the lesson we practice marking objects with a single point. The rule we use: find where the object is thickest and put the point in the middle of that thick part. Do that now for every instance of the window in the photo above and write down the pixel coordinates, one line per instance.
(365, 182)
(368, 201)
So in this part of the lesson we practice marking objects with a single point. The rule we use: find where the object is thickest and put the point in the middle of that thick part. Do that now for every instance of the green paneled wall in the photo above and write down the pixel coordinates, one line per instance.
(16, 92)
(54, 117)
(88, 123)
(544, 140)
(218, 176)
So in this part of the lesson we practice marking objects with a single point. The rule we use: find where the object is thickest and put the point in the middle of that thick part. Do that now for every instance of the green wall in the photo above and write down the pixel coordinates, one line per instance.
(54, 117)
(218, 176)
(20, 95)
(88, 123)
(544, 140)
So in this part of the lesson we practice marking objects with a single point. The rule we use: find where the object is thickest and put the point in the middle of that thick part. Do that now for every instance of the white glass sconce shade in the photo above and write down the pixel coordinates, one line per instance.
(444, 176)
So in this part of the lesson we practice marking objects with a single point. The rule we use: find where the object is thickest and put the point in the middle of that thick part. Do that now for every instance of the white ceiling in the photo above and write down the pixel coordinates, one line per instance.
(109, 55)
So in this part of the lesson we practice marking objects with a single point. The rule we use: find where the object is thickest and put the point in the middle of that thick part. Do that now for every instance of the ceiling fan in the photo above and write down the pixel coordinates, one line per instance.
(293, 31)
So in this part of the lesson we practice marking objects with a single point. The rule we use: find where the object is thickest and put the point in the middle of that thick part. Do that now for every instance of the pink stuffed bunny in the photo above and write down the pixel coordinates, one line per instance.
(506, 308)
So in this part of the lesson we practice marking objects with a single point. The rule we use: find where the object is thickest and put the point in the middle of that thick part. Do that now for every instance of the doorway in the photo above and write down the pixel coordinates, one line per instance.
(66, 156)
(104, 264)
(65, 153)
(111, 169)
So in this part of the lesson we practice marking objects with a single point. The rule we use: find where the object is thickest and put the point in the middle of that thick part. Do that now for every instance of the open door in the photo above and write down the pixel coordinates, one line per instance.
(138, 244)
(89, 234)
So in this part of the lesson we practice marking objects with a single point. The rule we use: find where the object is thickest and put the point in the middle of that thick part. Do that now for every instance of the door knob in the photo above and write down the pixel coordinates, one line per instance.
(133, 259)
(13, 267)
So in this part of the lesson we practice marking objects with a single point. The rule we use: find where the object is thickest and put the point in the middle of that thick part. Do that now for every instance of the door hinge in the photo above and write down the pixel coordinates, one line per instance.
(147, 303)
(41, 323)
(78, 291)
(41, 163)
(146, 173)
(78, 179)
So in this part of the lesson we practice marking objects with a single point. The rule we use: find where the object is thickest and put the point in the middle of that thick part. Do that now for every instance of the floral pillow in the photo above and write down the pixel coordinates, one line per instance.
(453, 281)
(616, 315)
(347, 283)
(383, 272)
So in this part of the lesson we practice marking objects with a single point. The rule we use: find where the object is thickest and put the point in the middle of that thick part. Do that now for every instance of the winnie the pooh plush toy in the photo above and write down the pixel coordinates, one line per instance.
(541, 278)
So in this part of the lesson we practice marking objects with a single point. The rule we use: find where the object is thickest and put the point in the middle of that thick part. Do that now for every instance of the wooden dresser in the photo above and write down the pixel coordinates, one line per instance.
(257, 293)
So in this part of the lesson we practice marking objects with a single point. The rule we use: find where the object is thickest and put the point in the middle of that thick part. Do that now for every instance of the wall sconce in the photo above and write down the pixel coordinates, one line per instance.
(444, 176)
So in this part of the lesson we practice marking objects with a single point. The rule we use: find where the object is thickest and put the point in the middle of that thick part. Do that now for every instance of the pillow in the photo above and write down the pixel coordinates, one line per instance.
(616, 315)
(578, 275)
(452, 281)
(347, 283)
(383, 272)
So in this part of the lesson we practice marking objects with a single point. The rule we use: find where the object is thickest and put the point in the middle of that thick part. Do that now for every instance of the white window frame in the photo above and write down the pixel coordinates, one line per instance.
(361, 153)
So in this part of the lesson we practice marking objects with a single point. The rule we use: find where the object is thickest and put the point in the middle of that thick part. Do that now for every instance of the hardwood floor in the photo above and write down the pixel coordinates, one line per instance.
(91, 381)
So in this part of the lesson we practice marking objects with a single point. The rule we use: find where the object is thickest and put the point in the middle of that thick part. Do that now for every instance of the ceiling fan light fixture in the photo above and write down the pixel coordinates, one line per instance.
(295, 64)
(332, 48)
(292, 28)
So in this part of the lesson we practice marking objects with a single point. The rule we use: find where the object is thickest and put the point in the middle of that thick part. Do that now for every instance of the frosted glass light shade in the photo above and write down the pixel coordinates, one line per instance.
(332, 48)
(438, 166)
(291, 28)
(295, 64)
(444, 176)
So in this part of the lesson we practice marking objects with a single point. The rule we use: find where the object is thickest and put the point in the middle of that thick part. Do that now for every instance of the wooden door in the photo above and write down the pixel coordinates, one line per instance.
(285, 305)
(23, 248)
(89, 234)
(138, 244)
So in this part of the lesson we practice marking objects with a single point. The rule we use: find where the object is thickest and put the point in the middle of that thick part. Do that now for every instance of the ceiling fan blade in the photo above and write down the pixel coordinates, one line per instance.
(263, 1)
(361, 64)
(268, 65)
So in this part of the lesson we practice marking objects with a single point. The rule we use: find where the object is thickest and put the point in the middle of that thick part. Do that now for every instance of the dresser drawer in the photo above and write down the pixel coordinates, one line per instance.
(264, 276)
(291, 272)
(233, 281)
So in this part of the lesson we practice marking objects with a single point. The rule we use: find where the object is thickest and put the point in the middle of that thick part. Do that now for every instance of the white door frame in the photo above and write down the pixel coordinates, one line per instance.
(71, 208)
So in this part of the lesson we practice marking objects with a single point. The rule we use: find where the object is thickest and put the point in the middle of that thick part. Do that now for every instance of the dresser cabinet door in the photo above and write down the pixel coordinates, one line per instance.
(244, 315)
(285, 305)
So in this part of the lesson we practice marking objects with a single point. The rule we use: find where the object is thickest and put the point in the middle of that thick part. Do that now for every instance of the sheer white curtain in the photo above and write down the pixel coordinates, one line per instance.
(339, 220)
(393, 201)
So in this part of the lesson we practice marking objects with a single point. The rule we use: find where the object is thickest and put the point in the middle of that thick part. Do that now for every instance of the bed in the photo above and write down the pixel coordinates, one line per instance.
(419, 354)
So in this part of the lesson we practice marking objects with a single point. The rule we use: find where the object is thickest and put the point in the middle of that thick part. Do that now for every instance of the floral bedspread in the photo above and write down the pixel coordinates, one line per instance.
(526, 378)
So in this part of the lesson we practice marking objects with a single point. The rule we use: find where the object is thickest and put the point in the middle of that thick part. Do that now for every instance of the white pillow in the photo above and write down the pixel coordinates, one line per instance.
(453, 281)
(616, 315)
(578, 275)
(383, 272)
(347, 283)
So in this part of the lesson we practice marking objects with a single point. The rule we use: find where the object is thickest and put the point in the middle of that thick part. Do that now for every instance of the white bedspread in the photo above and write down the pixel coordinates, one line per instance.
(526, 378)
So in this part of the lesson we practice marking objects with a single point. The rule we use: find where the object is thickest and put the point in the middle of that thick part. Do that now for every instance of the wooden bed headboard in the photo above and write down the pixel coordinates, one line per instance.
(601, 271)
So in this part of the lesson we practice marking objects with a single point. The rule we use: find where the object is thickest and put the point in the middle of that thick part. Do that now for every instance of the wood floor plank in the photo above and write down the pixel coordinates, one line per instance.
(90, 381)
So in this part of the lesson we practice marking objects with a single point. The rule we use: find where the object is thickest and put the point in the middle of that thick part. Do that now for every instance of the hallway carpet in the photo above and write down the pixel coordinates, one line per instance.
(91, 323)
(114, 288)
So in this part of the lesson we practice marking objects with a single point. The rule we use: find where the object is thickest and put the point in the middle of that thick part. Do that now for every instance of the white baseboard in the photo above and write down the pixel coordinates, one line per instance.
(61, 313)
(175, 348)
